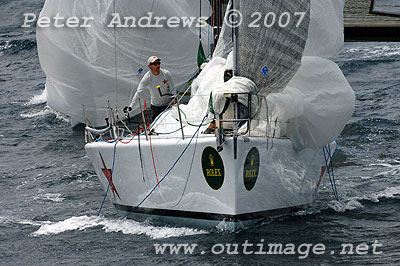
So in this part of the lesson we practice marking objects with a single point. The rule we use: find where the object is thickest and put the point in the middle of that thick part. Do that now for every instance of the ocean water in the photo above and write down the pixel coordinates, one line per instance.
(50, 195)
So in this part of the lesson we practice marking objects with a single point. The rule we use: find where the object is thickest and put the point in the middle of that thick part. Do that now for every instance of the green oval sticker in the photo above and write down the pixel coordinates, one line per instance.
(251, 168)
(213, 168)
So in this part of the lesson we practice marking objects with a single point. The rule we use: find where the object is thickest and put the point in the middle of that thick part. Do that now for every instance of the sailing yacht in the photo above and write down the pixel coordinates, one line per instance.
(273, 124)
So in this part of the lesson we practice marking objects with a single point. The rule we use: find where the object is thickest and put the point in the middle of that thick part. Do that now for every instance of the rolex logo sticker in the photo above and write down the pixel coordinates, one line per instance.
(213, 168)
(251, 168)
(211, 160)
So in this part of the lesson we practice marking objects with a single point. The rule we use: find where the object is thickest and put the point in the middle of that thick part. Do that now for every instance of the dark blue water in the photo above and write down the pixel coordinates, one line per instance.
(50, 195)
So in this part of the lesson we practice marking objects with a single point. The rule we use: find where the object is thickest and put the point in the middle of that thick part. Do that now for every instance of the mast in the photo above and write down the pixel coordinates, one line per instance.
(235, 36)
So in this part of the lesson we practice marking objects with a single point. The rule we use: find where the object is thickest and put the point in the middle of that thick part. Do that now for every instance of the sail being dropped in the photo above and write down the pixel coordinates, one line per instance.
(90, 68)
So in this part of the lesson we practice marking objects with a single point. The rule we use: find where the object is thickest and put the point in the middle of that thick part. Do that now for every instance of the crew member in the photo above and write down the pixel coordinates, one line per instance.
(160, 85)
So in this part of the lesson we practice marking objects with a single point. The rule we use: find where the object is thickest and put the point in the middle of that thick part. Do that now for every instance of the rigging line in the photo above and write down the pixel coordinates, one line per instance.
(208, 33)
(115, 58)
(187, 122)
(151, 146)
(172, 167)
(154, 123)
(124, 124)
(140, 152)
(190, 170)
(141, 52)
(329, 170)
(109, 183)
(379, 89)
(200, 29)
(145, 37)
(332, 169)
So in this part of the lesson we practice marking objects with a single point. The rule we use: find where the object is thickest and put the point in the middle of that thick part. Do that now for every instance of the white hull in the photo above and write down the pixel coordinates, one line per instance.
(285, 180)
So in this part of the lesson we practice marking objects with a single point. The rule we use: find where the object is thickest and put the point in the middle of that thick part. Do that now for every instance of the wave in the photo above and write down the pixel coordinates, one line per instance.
(45, 112)
(355, 202)
(14, 220)
(388, 193)
(37, 113)
(127, 227)
(367, 126)
(38, 99)
(49, 197)
(15, 46)
(376, 52)
(341, 206)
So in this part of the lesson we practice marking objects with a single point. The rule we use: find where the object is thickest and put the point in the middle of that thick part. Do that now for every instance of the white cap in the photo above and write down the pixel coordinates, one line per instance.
(152, 59)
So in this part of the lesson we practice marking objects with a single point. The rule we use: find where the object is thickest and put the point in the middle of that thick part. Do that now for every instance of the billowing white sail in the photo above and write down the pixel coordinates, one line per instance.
(304, 96)
(325, 34)
(317, 103)
(89, 68)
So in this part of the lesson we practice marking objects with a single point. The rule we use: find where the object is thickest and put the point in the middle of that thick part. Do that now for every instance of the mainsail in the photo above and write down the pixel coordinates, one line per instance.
(90, 68)
(271, 42)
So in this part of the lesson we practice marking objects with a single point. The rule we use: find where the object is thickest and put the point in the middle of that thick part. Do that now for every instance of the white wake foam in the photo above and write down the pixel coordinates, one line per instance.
(51, 197)
(354, 203)
(129, 227)
(46, 111)
(37, 99)
(341, 206)
(376, 51)
(15, 220)
(36, 113)
(388, 193)
(393, 170)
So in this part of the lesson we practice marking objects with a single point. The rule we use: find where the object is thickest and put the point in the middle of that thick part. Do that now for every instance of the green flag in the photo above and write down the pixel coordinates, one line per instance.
(201, 57)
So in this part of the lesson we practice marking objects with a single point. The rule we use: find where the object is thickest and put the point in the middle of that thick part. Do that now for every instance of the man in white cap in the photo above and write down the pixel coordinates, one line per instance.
(160, 85)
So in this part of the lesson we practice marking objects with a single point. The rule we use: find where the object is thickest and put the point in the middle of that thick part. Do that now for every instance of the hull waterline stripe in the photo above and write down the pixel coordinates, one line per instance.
(210, 216)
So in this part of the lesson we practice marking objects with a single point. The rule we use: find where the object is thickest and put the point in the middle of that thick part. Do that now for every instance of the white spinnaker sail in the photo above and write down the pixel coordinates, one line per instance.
(315, 105)
(325, 34)
(79, 63)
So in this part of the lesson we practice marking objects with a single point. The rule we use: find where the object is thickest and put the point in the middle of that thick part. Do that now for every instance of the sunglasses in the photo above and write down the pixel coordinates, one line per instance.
(155, 63)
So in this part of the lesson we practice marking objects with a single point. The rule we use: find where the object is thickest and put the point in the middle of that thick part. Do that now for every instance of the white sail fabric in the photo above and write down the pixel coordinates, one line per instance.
(325, 34)
(225, 41)
(236, 84)
(80, 63)
(192, 113)
(312, 110)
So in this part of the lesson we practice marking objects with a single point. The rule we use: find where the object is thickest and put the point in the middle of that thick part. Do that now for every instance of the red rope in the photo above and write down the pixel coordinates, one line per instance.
(138, 131)
(151, 146)
(134, 134)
